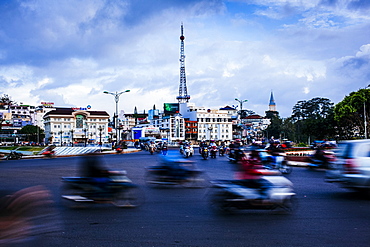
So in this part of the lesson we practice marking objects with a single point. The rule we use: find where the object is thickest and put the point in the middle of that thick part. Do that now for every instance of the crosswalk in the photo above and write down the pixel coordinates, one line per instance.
(74, 150)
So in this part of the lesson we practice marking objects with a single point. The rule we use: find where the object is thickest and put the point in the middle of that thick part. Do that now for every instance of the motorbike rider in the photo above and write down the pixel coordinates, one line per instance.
(174, 169)
(92, 169)
(321, 156)
(235, 151)
(202, 145)
(164, 148)
(251, 175)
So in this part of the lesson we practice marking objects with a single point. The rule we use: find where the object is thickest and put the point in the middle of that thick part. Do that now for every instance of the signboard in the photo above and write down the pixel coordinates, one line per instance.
(47, 104)
(171, 108)
(17, 122)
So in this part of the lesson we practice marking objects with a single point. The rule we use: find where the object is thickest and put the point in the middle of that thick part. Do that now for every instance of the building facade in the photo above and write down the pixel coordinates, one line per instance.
(71, 126)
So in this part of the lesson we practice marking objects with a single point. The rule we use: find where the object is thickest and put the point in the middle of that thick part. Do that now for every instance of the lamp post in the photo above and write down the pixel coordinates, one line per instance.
(61, 137)
(116, 99)
(72, 131)
(240, 113)
(365, 122)
(241, 105)
(85, 130)
(100, 130)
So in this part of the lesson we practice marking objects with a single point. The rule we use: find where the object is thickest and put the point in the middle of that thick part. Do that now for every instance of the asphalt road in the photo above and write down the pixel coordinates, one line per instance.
(327, 215)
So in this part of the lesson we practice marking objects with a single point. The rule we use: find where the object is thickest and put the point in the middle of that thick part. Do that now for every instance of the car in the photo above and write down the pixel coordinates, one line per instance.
(351, 167)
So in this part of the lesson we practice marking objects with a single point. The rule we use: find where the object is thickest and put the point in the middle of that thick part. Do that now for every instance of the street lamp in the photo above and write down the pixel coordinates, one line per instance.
(241, 112)
(116, 99)
(241, 104)
(100, 130)
(365, 122)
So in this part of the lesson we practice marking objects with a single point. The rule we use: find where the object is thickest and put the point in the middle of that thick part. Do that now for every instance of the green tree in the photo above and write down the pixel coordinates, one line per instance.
(274, 129)
(34, 133)
(351, 113)
(314, 119)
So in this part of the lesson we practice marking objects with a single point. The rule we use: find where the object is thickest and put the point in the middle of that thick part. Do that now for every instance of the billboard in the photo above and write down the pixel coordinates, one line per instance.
(171, 108)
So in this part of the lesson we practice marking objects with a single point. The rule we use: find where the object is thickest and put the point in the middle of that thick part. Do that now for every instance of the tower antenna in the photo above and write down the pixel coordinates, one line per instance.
(183, 92)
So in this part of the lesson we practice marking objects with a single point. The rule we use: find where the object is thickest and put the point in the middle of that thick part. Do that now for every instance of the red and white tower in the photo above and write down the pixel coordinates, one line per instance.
(183, 92)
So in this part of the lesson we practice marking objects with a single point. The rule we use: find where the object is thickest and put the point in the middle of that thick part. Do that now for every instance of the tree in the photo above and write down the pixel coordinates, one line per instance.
(314, 119)
(351, 114)
(5, 100)
(274, 129)
(34, 133)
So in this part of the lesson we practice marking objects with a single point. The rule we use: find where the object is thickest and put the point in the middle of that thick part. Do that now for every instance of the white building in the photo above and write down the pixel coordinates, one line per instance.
(64, 126)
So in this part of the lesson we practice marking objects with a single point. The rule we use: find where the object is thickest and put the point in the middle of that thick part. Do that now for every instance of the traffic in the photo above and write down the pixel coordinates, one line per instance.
(165, 184)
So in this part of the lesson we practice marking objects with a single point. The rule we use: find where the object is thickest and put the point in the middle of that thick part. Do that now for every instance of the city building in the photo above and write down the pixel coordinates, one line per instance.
(71, 126)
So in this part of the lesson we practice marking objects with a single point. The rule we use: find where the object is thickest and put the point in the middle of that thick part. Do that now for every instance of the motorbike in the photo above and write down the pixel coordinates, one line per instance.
(119, 150)
(205, 153)
(277, 163)
(213, 152)
(175, 172)
(235, 155)
(222, 150)
(227, 196)
(49, 153)
(151, 149)
(314, 163)
(187, 151)
(117, 189)
(13, 155)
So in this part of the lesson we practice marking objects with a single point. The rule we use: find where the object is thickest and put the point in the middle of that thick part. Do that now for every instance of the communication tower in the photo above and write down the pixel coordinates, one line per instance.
(183, 92)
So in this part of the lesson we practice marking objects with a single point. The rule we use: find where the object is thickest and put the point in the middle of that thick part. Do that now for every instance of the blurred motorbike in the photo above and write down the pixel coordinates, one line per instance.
(187, 151)
(49, 153)
(222, 150)
(277, 162)
(205, 153)
(175, 171)
(213, 152)
(324, 162)
(235, 155)
(13, 155)
(116, 189)
(227, 196)
(151, 149)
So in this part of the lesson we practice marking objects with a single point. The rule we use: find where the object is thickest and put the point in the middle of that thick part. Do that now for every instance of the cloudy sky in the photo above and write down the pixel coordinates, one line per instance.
(69, 52)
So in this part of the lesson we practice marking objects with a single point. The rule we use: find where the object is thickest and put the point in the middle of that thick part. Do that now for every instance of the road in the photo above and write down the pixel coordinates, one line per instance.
(327, 215)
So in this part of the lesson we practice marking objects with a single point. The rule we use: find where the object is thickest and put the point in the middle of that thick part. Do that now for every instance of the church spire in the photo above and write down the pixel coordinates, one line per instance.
(272, 104)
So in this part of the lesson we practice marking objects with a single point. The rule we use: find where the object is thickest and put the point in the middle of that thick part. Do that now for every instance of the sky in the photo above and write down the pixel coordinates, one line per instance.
(68, 52)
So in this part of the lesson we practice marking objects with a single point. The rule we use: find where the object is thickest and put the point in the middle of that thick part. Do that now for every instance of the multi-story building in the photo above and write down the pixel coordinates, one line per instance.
(213, 124)
(67, 126)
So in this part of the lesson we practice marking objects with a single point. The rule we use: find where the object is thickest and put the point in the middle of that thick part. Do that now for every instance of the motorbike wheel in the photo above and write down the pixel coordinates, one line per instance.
(205, 156)
(68, 190)
(196, 182)
(289, 205)
(285, 169)
(218, 204)
(129, 198)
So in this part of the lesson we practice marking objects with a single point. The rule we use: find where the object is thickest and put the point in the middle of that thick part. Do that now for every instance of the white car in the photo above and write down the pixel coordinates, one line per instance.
(351, 168)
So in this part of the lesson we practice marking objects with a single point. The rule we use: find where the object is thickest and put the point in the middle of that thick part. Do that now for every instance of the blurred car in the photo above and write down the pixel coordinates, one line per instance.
(351, 168)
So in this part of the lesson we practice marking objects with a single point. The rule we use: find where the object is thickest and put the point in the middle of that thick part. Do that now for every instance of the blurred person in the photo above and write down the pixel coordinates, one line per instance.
(164, 148)
(251, 175)
(92, 168)
(26, 214)
(320, 155)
